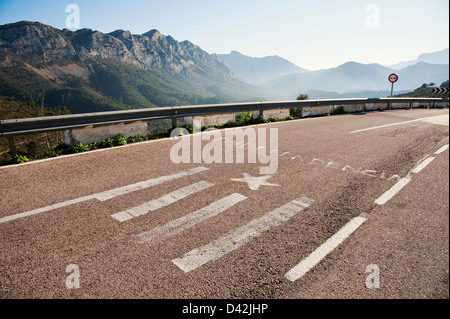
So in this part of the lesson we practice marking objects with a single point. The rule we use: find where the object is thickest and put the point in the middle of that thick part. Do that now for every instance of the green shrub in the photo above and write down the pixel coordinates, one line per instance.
(134, 139)
(59, 149)
(19, 159)
(119, 140)
(243, 118)
(260, 120)
(109, 142)
(189, 127)
(78, 148)
(340, 110)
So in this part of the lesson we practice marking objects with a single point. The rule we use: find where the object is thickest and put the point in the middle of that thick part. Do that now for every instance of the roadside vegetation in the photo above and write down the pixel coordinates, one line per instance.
(426, 90)
(34, 150)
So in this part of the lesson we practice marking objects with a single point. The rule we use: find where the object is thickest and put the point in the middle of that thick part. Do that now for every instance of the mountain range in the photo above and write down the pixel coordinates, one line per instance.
(351, 78)
(89, 71)
(439, 57)
(259, 71)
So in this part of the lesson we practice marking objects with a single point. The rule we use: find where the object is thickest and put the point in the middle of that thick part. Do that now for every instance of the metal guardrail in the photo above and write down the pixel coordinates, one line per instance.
(12, 127)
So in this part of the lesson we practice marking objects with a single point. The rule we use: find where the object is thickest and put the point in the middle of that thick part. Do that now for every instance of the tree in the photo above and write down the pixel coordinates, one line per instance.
(296, 112)
(303, 97)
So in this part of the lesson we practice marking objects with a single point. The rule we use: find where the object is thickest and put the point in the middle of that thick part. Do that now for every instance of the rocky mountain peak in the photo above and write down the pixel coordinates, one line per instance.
(148, 51)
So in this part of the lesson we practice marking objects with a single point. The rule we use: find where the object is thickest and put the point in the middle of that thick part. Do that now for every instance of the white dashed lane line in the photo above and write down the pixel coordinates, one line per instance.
(323, 250)
(334, 241)
(103, 196)
(383, 199)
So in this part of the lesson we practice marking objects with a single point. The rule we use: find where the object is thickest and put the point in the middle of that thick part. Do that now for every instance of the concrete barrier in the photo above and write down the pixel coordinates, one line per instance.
(210, 120)
(441, 104)
(317, 110)
(375, 106)
(400, 105)
(277, 113)
(95, 134)
(351, 108)
(88, 135)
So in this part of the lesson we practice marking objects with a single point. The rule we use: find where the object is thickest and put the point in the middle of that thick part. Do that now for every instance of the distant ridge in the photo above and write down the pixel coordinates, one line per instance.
(352, 76)
(439, 57)
(258, 71)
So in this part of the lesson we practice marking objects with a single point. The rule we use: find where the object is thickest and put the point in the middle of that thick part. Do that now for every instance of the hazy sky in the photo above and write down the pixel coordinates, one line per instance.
(312, 34)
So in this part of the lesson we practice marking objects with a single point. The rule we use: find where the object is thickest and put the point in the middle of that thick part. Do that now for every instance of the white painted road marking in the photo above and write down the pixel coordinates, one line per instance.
(405, 180)
(146, 184)
(442, 149)
(102, 196)
(176, 226)
(254, 182)
(392, 191)
(45, 209)
(165, 200)
(236, 238)
(422, 165)
(441, 119)
(317, 255)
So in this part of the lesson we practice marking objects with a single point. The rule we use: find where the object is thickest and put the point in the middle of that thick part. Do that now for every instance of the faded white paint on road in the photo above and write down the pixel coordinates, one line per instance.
(441, 120)
(393, 191)
(178, 225)
(102, 196)
(165, 200)
(317, 255)
(236, 238)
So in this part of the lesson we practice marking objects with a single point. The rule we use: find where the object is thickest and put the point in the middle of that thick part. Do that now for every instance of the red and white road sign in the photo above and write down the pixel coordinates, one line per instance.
(393, 78)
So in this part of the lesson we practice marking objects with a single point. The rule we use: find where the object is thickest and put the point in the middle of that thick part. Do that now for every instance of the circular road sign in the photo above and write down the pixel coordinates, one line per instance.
(393, 78)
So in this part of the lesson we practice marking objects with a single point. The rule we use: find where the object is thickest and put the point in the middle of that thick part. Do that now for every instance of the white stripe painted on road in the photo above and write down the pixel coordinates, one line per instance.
(102, 196)
(404, 181)
(176, 226)
(236, 238)
(442, 149)
(163, 201)
(440, 120)
(392, 191)
(321, 252)
(45, 209)
(146, 184)
(422, 165)
(428, 119)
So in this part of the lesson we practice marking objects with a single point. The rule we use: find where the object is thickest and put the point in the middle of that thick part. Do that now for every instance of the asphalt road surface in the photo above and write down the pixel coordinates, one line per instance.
(352, 206)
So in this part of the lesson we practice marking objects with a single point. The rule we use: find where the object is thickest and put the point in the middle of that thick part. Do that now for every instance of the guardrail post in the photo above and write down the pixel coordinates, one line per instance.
(174, 120)
(12, 147)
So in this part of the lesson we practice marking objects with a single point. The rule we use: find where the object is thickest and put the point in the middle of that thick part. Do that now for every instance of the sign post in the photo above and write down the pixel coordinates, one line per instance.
(392, 78)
